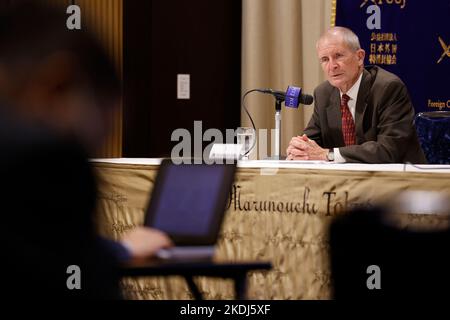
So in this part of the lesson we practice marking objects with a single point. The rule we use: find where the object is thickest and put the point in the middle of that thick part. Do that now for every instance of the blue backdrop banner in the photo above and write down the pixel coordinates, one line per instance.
(410, 38)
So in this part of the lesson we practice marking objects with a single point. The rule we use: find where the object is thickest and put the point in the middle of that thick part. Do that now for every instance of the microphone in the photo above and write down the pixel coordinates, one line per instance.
(292, 97)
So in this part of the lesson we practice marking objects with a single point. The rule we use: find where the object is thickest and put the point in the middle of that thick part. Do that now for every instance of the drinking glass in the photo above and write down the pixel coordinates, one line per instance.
(246, 137)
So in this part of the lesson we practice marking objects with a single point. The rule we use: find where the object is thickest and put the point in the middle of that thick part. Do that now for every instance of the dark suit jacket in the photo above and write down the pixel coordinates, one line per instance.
(48, 198)
(384, 121)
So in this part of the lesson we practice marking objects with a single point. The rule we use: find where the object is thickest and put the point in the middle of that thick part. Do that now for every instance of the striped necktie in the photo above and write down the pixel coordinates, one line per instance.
(348, 125)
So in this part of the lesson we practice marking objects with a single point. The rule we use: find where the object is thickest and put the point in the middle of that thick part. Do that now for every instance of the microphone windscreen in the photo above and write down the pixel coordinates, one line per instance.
(306, 99)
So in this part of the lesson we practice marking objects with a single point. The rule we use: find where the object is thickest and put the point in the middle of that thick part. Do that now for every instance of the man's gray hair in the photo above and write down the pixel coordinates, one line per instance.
(348, 36)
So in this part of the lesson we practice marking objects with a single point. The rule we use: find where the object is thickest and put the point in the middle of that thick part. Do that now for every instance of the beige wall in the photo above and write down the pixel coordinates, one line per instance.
(278, 49)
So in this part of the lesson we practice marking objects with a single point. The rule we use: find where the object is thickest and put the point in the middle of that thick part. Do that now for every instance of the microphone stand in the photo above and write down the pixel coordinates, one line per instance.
(293, 94)
(277, 152)
(277, 139)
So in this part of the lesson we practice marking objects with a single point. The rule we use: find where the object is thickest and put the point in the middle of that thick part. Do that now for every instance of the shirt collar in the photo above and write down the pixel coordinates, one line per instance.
(353, 92)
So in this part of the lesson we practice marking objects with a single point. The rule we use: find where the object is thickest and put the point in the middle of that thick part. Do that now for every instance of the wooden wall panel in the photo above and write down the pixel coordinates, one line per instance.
(104, 18)
(165, 38)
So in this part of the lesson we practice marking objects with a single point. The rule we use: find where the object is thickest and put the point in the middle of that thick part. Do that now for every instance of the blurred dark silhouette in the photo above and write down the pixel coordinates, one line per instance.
(57, 88)
(413, 261)
(48, 196)
(54, 76)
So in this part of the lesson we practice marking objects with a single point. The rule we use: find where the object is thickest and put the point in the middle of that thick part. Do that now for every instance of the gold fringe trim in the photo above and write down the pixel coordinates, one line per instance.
(333, 12)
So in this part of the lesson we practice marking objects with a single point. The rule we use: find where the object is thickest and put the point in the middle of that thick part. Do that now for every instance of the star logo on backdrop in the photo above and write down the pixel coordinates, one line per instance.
(445, 48)
(366, 1)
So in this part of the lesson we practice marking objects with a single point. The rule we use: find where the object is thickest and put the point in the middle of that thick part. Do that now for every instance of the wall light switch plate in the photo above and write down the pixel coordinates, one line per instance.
(183, 86)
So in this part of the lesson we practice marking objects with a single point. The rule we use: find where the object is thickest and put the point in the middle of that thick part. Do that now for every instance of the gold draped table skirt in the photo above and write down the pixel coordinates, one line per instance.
(280, 216)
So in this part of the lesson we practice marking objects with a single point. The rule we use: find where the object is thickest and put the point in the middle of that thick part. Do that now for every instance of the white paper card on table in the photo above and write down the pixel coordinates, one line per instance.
(226, 151)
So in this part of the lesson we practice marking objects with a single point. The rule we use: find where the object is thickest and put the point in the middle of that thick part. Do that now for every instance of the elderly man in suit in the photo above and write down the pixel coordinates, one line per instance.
(361, 114)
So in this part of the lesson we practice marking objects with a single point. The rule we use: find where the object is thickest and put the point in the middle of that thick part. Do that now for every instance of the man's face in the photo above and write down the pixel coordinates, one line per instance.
(340, 64)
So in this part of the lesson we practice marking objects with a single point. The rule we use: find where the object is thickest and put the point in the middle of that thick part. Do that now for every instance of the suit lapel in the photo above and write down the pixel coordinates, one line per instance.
(334, 118)
(361, 105)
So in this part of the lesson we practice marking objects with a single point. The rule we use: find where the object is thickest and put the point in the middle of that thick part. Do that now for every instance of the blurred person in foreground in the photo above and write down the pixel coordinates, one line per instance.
(361, 114)
(57, 88)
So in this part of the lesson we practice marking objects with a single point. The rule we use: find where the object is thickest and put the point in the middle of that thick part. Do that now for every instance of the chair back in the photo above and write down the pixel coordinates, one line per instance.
(433, 131)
